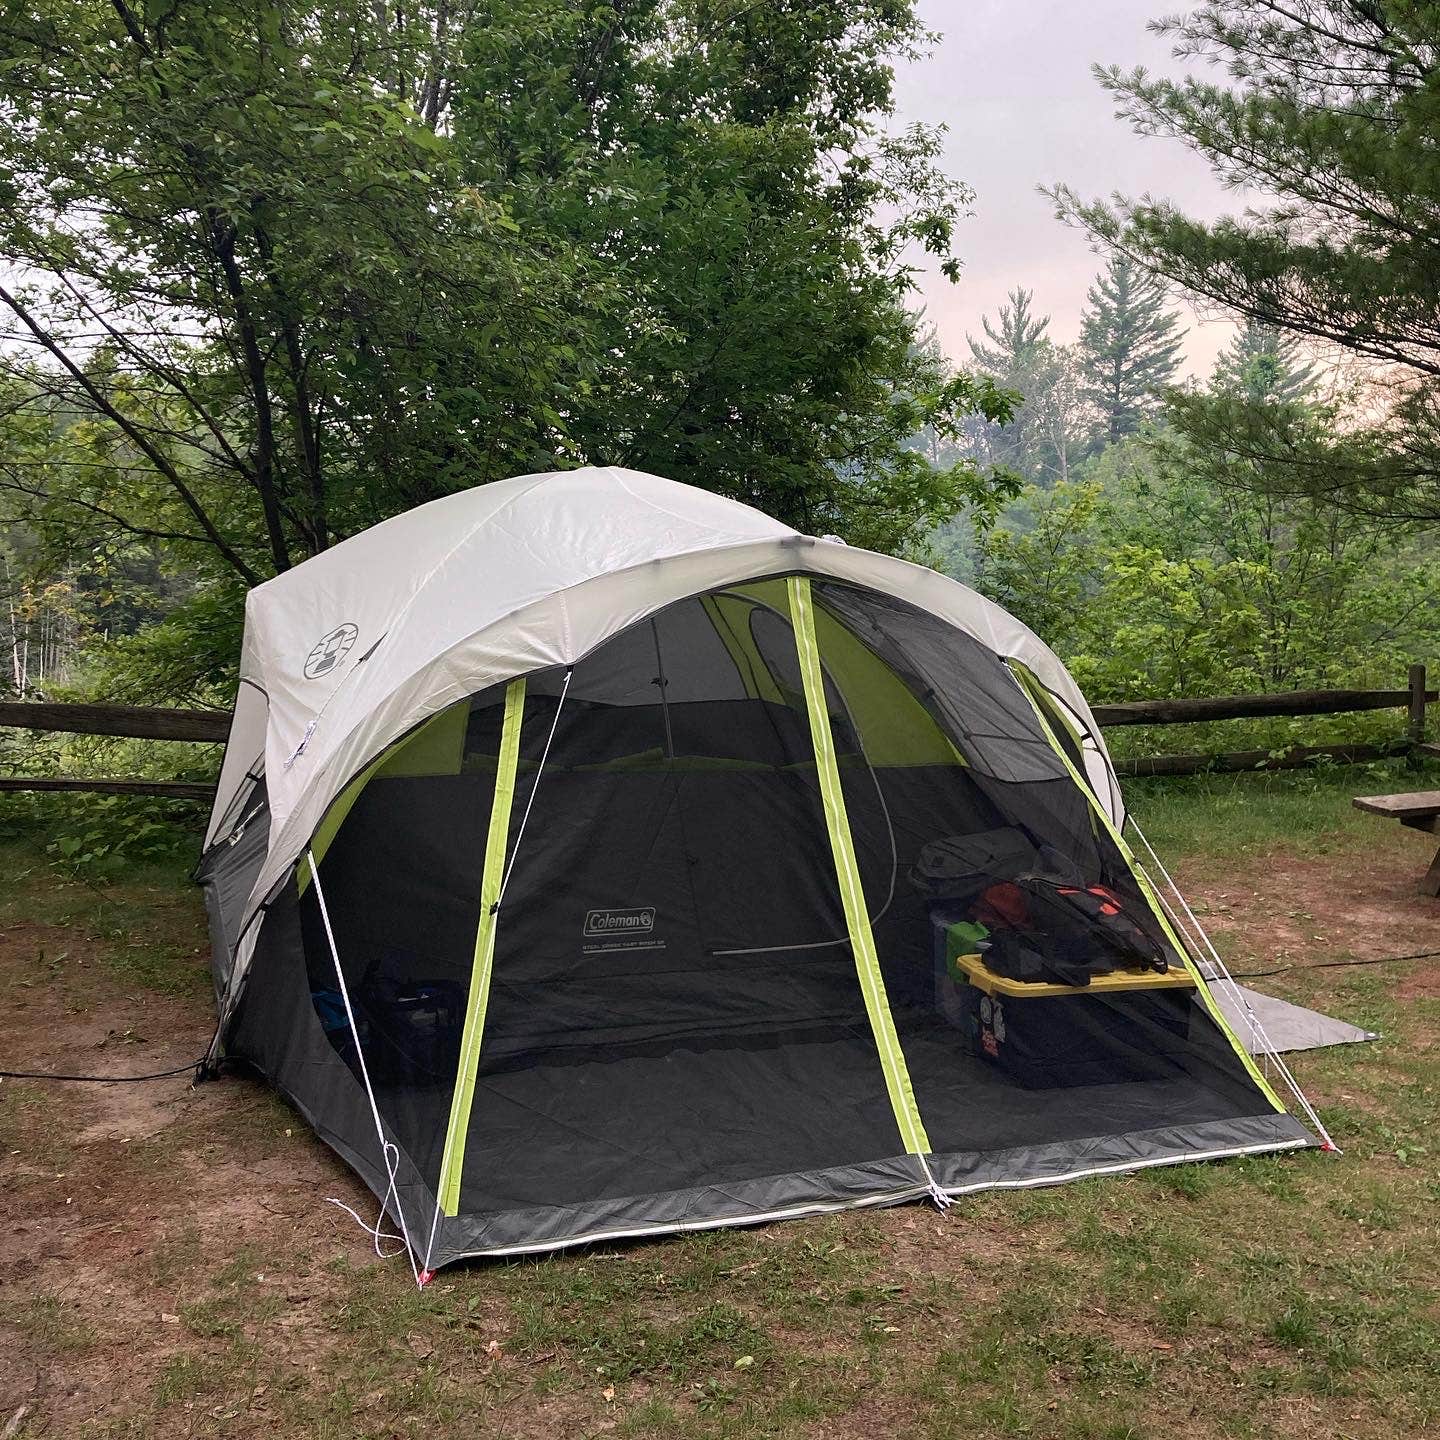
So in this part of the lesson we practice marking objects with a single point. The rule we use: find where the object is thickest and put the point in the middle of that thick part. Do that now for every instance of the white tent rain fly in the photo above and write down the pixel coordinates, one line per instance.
(595, 856)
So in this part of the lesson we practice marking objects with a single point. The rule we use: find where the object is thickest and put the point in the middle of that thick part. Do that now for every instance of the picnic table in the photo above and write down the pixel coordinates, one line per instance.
(1419, 810)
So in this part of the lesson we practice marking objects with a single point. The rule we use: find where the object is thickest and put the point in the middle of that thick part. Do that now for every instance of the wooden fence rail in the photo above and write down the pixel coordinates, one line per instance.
(211, 726)
(165, 789)
(130, 722)
(1294, 757)
(1252, 707)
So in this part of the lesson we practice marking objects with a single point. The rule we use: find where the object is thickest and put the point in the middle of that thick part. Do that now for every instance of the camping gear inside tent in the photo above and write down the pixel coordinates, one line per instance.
(595, 856)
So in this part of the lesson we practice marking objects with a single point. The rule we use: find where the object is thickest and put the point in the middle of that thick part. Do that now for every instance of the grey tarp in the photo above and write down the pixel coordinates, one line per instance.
(1287, 1026)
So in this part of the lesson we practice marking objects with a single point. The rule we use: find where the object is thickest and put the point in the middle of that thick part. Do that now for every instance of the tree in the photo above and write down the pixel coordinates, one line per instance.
(1042, 434)
(1058, 409)
(281, 270)
(1015, 336)
(731, 169)
(1264, 366)
(1129, 347)
(1331, 111)
(1161, 574)
(1043, 562)
(251, 282)
(940, 449)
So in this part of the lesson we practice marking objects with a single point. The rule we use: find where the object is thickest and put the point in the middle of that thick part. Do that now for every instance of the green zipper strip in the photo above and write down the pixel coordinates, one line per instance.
(847, 872)
(1033, 690)
(496, 840)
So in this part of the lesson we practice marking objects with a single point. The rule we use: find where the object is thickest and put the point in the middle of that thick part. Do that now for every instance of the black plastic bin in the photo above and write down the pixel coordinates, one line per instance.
(1046, 1042)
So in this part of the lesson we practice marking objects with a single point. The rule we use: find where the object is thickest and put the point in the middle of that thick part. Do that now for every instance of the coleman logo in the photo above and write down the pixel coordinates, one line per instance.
(620, 922)
(329, 650)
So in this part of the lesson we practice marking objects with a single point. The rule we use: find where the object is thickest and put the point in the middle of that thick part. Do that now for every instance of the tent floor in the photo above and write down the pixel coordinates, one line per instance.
(567, 1131)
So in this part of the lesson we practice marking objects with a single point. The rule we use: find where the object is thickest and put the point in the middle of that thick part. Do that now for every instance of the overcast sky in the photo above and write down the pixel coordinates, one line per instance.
(1011, 79)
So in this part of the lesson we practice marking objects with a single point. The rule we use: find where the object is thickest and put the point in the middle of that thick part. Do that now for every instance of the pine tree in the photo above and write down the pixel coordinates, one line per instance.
(1329, 107)
(1039, 440)
(1264, 366)
(1129, 347)
(1014, 339)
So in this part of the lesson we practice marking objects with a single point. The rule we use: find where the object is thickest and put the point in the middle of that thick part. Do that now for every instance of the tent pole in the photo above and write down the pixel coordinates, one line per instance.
(852, 892)
(494, 883)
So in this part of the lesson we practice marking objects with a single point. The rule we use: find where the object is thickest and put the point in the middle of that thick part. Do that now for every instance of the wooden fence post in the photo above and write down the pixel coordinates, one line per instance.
(1415, 729)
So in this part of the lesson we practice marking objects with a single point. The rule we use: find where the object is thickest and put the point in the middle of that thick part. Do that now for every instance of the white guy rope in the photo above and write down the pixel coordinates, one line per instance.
(390, 1153)
(1269, 1050)
(534, 789)
(940, 1199)
(1260, 1047)
(1240, 999)
(373, 1231)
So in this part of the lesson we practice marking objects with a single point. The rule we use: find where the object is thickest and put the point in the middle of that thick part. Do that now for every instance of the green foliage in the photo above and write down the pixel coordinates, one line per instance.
(730, 173)
(1129, 347)
(1039, 439)
(279, 272)
(1332, 110)
(102, 848)
(285, 271)
(1190, 560)
(304, 319)
(186, 656)
(1265, 366)
(1165, 572)
(97, 837)
(1014, 338)
(1044, 561)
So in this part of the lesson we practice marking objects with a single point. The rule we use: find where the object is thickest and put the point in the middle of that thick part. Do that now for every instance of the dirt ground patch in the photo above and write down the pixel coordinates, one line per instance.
(1287, 913)
(113, 1193)
(1282, 909)
(1422, 984)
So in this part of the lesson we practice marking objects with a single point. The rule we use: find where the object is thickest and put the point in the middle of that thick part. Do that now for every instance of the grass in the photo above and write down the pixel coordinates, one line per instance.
(145, 931)
(1228, 817)
(51, 1327)
(1286, 1295)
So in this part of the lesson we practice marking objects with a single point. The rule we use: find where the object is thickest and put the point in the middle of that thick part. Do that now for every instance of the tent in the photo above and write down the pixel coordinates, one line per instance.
(595, 856)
